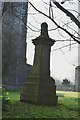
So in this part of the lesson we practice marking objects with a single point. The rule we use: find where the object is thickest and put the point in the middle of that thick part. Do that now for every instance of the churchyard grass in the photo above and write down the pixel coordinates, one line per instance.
(68, 107)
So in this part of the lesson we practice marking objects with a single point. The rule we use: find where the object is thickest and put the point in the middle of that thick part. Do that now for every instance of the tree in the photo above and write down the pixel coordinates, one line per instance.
(67, 12)
(14, 19)
(7, 44)
(66, 81)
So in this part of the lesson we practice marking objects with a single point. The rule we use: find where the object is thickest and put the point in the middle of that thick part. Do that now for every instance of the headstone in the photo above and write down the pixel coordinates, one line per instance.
(40, 88)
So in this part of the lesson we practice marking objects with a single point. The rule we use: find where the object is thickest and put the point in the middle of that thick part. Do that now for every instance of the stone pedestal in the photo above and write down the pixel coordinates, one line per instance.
(40, 88)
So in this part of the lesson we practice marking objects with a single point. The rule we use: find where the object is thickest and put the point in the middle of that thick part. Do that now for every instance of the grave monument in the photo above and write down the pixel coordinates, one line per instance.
(40, 88)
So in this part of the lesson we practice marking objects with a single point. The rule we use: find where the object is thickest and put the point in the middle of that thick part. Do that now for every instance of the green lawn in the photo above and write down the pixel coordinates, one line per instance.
(68, 105)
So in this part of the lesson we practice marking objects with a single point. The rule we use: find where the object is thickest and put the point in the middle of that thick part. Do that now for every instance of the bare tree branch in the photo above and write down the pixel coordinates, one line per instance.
(72, 17)
(71, 35)
(63, 46)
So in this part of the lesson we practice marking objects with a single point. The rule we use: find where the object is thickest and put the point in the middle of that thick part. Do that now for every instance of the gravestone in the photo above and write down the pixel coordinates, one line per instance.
(40, 88)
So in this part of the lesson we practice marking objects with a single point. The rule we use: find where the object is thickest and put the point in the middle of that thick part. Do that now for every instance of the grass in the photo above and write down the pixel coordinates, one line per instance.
(67, 107)
(69, 94)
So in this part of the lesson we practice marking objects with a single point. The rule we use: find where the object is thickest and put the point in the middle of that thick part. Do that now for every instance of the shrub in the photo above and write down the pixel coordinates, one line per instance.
(5, 98)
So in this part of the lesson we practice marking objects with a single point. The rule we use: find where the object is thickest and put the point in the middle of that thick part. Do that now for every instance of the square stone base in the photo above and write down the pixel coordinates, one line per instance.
(38, 92)
(47, 100)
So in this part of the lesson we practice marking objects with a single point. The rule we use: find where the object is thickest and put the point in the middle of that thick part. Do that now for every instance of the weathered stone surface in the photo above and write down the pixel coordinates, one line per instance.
(14, 44)
(40, 87)
(77, 79)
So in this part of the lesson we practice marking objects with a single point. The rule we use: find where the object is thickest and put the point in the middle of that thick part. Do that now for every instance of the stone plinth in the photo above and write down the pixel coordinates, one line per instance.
(40, 87)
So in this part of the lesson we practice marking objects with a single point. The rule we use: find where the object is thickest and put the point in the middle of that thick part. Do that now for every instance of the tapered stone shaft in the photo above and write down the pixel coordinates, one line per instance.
(40, 87)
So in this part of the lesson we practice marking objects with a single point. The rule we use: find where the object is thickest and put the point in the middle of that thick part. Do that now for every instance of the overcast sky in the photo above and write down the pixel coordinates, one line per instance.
(64, 61)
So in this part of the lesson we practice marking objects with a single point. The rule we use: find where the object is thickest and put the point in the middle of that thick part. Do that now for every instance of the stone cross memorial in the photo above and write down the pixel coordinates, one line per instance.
(40, 88)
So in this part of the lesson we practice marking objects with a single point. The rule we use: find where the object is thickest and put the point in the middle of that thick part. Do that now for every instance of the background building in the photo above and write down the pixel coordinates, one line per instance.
(77, 78)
